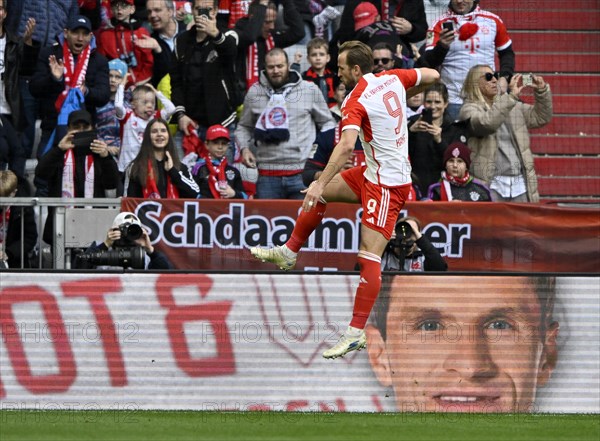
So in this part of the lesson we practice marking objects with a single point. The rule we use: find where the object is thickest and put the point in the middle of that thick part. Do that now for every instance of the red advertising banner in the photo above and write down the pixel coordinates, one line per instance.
(216, 235)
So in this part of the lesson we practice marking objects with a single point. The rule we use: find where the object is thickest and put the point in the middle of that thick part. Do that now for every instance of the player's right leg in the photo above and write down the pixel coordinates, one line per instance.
(285, 256)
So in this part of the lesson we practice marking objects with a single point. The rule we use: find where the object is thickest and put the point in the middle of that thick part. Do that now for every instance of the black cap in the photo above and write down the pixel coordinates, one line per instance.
(79, 21)
(79, 116)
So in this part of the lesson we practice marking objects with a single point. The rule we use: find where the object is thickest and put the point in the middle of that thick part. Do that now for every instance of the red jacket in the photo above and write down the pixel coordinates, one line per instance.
(117, 42)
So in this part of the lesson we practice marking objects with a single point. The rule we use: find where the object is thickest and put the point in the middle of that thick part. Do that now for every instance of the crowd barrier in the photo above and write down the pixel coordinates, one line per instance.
(436, 343)
(217, 234)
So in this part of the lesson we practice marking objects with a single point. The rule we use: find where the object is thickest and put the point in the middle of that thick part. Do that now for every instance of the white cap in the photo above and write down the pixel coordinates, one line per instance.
(126, 217)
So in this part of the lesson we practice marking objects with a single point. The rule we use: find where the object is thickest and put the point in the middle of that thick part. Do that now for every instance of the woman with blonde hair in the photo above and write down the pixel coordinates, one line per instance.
(499, 131)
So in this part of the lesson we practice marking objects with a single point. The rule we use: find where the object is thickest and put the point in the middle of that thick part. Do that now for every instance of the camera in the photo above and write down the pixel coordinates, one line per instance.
(130, 232)
(132, 257)
(527, 79)
(203, 11)
(129, 59)
(402, 244)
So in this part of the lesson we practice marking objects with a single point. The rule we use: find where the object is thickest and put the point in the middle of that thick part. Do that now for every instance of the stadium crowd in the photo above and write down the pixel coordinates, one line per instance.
(198, 99)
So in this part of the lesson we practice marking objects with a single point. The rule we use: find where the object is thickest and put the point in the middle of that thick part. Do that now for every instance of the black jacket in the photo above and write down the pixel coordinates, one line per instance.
(44, 87)
(181, 179)
(13, 240)
(19, 60)
(203, 78)
(11, 149)
(165, 61)
(50, 168)
(426, 155)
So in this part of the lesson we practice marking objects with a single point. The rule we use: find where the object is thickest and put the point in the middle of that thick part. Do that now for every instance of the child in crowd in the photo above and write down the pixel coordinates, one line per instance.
(456, 183)
(414, 104)
(126, 40)
(135, 120)
(107, 123)
(216, 178)
(317, 51)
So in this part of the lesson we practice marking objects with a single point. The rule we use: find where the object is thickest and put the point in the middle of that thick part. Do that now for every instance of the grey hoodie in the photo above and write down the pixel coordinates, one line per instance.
(307, 112)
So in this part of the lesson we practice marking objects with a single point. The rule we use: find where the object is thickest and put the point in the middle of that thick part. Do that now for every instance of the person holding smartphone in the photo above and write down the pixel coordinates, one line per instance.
(78, 166)
(429, 134)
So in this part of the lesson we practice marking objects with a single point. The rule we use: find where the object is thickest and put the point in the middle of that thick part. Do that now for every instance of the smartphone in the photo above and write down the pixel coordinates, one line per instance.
(427, 115)
(448, 25)
(527, 79)
(83, 140)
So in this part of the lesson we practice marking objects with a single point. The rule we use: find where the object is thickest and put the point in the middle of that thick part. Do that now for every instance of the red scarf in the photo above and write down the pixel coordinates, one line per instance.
(445, 191)
(252, 74)
(74, 74)
(4, 223)
(151, 189)
(216, 175)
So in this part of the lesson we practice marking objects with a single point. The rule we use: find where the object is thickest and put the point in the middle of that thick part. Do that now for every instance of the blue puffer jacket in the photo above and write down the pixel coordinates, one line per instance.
(51, 17)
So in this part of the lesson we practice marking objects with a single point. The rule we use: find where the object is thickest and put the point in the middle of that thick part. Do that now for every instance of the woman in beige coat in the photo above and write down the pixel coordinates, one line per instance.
(499, 132)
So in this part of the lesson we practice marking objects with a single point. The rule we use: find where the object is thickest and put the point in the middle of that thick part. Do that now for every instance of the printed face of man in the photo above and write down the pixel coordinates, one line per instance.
(277, 69)
(463, 344)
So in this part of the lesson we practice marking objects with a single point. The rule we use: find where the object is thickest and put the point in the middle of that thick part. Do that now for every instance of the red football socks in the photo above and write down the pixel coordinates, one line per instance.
(368, 288)
(305, 225)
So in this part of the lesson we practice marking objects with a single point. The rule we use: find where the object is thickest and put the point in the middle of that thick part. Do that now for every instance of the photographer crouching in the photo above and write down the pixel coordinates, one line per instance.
(127, 245)
(410, 251)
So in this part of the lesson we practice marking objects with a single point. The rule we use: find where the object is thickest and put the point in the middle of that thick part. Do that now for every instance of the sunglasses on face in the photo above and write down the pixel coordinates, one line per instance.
(488, 76)
(382, 60)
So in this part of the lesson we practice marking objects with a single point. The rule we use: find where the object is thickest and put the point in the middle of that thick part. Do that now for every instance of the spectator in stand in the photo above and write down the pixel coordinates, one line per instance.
(398, 32)
(215, 177)
(384, 58)
(411, 251)
(127, 40)
(50, 22)
(456, 183)
(157, 172)
(257, 36)
(414, 105)
(135, 119)
(85, 171)
(479, 35)
(203, 86)
(107, 123)
(279, 123)
(317, 51)
(16, 61)
(13, 246)
(165, 29)
(318, 16)
(429, 134)
(499, 131)
(72, 63)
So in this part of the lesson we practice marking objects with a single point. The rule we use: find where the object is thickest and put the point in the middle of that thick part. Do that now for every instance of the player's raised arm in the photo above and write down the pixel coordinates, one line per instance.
(428, 77)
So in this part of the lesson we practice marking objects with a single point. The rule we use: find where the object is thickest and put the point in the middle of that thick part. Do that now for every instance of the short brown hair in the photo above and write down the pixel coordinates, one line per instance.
(316, 43)
(359, 54)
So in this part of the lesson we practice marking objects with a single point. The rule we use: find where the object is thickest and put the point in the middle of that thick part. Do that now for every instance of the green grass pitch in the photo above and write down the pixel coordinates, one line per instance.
(188, 425)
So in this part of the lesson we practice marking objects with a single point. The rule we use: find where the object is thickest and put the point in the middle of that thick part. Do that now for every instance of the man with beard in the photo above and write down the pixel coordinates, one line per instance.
(375, 110)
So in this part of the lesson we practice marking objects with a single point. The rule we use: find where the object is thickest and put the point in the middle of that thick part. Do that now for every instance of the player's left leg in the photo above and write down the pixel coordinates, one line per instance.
(381, 207)
(338, 190)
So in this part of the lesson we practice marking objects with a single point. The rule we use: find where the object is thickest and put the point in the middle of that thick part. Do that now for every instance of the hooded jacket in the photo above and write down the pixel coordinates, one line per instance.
(307, 112)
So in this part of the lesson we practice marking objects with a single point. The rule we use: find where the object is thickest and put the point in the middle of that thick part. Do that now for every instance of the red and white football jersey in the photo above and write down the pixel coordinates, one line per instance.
(486, 34)
(376, 107)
